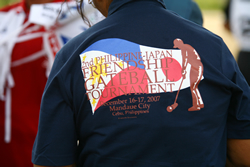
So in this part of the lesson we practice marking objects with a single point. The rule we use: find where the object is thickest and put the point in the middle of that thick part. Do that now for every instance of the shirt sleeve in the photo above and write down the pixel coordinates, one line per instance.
(238, 121)
(56, 141)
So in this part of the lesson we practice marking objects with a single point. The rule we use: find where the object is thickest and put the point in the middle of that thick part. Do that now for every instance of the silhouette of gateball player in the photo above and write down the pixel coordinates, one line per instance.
(189, 55)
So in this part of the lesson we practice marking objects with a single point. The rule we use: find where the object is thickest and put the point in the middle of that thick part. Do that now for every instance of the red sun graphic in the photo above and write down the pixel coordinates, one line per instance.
(172, 69)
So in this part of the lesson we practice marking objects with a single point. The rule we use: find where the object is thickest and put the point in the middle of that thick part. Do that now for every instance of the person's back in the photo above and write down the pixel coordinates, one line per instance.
(127, 98)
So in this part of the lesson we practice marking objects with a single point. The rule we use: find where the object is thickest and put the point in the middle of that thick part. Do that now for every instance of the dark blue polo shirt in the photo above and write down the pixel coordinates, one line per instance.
(142, 88)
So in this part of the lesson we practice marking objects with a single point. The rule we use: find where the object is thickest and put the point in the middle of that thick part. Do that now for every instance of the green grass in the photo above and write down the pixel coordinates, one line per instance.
(7, 2)
(211, 4)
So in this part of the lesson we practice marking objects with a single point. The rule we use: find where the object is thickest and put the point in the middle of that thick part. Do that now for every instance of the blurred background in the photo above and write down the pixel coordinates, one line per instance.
(7, 2)
(213, 16)
(214, 19)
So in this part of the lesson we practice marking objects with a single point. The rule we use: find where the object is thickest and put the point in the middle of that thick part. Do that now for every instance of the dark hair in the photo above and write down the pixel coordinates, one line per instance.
(80, 6)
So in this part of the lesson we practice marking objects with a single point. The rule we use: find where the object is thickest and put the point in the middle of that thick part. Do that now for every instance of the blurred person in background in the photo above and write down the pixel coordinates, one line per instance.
(188, 9)
(111, 97)
(237, 21)
(30, 35)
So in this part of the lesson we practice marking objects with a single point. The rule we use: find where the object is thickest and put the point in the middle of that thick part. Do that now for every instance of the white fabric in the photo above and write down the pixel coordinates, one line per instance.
(28, 59)
(68, 24)
(11, 24)
(7, 136)
(240, 22)
(10, 27)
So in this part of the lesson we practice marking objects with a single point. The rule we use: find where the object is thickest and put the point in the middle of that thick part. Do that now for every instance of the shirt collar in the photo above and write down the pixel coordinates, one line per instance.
(118, 3)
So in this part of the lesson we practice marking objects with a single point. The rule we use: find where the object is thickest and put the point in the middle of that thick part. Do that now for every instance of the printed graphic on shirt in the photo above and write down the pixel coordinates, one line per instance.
(191, 57)
(115, 67)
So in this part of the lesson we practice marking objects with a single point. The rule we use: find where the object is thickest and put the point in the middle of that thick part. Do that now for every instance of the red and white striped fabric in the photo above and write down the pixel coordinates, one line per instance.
(27, 50)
